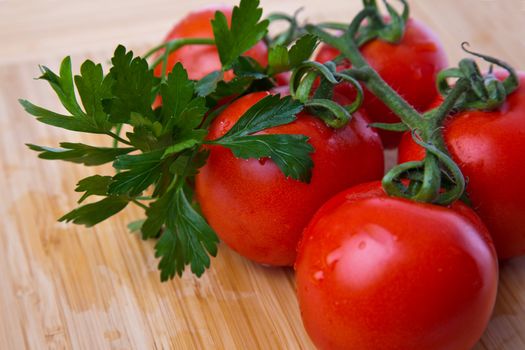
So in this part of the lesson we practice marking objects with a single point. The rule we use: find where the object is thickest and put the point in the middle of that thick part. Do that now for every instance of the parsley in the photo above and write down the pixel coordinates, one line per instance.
(92, 87)
(245, 31)
(187, 238)
(95, 185)
(93, 213)
(155, 161)
(80, 153)
(281, 59)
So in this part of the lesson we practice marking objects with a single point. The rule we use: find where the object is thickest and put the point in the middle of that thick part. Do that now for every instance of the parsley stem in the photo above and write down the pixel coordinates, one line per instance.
(118, 128)
(175, 45)
(145, 198)
(118, 138)
(139, 204)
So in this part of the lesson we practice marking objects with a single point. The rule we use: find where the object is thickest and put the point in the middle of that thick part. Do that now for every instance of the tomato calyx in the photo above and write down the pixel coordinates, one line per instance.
(324, 78)
(390, 29)
(487, 91)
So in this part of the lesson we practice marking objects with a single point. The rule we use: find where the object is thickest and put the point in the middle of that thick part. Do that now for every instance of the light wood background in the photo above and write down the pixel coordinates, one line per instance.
(63, 286)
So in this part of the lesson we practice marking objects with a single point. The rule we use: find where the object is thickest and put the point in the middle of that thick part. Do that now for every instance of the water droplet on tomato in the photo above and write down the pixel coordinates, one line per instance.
(333, 257)
(362, 245)
(263, 161)
(319, 276)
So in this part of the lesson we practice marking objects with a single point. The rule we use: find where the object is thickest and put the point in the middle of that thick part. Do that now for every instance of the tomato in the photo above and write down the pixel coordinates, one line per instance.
(378, 272)
(200, 60)
(409, 67)
(259, 212)
(488, 147)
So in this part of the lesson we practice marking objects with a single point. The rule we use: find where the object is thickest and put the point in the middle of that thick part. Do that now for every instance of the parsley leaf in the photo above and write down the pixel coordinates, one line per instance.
(189, 163)
(93, 213)
(95, 185)
(278, 59)
(187, 239)
(80, 153)
(269, 112)
(281, 59)
(68, 122)
(135, 226)
(182, 111)
(92, 88)
(245, 31)
(289, 152)
(63, 86)
(208, 84)
(303, 49)
(247, 67)
(142, 171)
(132, 88)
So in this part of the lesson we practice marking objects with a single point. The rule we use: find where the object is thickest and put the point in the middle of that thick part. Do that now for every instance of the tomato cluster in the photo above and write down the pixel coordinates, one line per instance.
(234, 133)
(373, 271)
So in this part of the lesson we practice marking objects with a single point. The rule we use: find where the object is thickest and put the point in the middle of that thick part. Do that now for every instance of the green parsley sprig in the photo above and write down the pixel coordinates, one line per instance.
(155, 162)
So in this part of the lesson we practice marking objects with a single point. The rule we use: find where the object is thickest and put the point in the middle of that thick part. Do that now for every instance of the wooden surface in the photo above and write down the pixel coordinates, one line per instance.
(64, 286)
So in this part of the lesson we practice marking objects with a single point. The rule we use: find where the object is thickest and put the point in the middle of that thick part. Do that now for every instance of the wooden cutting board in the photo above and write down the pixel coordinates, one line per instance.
(64, 286)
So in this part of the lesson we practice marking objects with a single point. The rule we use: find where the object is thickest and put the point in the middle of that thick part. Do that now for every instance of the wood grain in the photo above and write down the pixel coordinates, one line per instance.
(66, 287)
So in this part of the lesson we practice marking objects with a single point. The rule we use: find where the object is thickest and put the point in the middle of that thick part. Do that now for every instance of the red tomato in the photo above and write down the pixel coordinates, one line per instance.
(200, 60)
(488, 147)
(259, 212)
(409, 67)
(378, 272)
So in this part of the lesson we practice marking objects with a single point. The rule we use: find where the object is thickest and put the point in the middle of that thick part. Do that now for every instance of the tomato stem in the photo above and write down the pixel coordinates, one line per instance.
(362, 71)
(426, 178)
(173, 45)
(288, 36)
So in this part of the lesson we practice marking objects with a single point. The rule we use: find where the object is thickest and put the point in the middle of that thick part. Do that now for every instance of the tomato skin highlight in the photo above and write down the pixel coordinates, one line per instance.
(256, 210)
(200, 60)
(488, 148)
(409, 67)
(377, 272)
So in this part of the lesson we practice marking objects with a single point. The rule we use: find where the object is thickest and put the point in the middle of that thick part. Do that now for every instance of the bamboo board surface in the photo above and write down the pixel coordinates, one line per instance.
(64, 286)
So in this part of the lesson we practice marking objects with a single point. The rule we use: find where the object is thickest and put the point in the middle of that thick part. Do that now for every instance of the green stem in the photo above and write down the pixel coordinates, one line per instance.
(462, 85)
(391, 182)
(437, 117)
(348, 47)
(145, 198)
(174, 45)
(334, 26)
(290, 34)
(452, 170)
(139, 204)
(179, 43)
(118, 129)
(118, 138)
(429, 187)
(431, 184)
